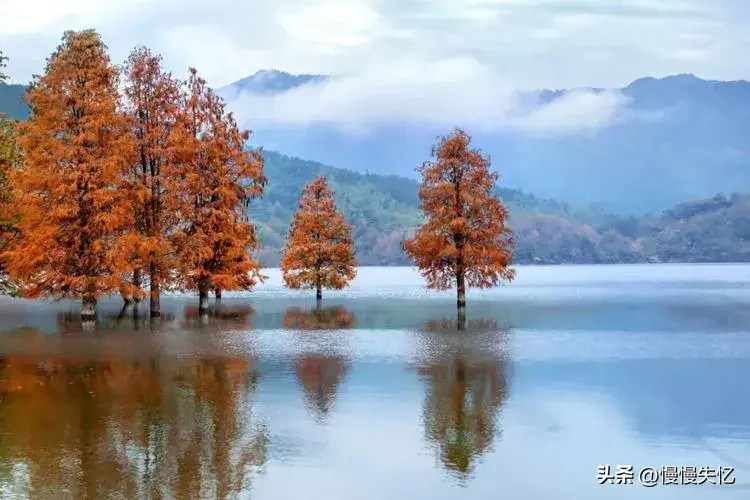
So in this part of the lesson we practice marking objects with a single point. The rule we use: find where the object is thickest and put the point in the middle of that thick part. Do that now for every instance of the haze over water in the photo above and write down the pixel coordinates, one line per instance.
(377, 396)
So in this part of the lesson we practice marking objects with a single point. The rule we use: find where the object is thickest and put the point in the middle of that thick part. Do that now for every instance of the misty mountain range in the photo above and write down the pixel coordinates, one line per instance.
(674, 139)
(268, 82)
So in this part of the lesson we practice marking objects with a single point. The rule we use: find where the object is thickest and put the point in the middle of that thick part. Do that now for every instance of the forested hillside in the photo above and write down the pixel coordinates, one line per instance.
(712, 230)
(382, 210)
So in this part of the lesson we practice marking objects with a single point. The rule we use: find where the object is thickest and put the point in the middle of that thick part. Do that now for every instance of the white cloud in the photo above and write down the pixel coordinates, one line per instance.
(330, 24)
(576, 111)
(448, 92)
(32, 16)
(536, 43)
(441, 61)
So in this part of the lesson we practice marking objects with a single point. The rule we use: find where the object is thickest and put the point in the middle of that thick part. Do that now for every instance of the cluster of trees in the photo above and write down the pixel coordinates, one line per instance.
(126, 177)
(464, 239)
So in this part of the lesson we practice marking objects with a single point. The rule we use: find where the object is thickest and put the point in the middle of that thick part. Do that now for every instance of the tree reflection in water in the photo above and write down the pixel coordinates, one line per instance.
(320, 376)
(128, 319)
(220, 316)
(319, 318)
(144, 427)
(466, 380)
(320, 373)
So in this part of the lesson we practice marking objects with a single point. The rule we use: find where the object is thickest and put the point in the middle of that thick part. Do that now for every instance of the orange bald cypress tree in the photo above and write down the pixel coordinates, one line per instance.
(465, 239)
(152, 105)
(216, 241)
(319, 252)
(71, 214)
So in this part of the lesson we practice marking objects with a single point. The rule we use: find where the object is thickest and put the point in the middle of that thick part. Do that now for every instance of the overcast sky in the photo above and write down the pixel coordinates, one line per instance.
(530, 43)
(401, 57)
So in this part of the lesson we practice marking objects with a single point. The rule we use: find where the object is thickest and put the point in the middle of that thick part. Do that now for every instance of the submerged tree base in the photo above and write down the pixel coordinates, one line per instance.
(88, 311)
(202, 302)
(461, 321)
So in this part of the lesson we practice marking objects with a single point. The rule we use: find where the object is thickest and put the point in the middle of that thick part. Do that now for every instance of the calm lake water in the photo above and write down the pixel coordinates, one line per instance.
(377, 396)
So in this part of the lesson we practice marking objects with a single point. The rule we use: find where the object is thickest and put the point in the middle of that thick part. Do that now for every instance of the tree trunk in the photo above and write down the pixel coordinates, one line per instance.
(88, 311)
(217, 302)
(137, 284)
(135, 316)
(155, 305)
(461, 320)
(126, 297)
(123, 311)
(318, 292)
(459, 240)
(461, 302)
(202, 298)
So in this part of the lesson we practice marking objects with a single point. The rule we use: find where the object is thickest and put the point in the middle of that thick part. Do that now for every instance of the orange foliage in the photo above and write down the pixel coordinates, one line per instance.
(156, 184)
(319, 252)
(71, 213)
(152, 104)
(216, 240)
(465, 238)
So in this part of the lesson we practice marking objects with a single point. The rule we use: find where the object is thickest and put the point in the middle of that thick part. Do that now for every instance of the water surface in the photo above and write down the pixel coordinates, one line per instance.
(376, 395)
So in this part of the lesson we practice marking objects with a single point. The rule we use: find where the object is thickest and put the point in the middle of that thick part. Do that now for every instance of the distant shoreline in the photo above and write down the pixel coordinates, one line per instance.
(590, 264)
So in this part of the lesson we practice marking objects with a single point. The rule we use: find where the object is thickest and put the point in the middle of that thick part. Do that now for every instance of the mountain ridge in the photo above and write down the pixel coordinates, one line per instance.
(675, 137)
(291, 80)
(267, 82)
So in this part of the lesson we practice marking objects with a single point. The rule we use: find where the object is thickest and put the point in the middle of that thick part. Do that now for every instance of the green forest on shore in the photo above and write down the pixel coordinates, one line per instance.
(383, 210)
